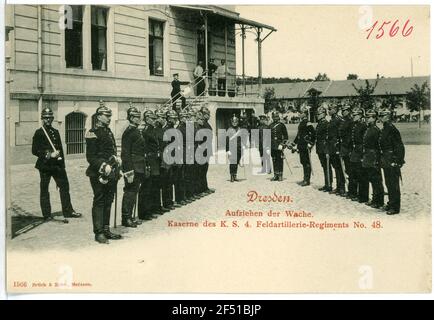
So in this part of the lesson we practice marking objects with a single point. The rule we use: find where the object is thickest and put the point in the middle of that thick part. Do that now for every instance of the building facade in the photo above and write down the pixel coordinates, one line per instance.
(70, 57)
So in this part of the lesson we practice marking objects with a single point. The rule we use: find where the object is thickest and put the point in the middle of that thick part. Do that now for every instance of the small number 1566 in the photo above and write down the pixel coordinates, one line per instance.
(393, 29)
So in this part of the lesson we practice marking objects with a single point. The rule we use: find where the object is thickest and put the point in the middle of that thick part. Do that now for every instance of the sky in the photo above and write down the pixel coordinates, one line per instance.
(332, 40)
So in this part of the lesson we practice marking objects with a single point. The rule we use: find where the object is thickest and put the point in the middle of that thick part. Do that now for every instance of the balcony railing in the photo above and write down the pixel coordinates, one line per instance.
(232, 86)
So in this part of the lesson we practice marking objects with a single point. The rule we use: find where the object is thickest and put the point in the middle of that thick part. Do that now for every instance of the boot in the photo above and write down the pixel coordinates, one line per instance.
(305, 183)
(280, 175)
(100, 238)
(232, 178)
(235, 178)
(128, 222)
(275, 178)
(109, 235)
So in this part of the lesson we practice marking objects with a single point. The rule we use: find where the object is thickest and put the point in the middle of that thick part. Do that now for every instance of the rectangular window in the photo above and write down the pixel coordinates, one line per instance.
(74, 39)
(156, 37)
(99, 37)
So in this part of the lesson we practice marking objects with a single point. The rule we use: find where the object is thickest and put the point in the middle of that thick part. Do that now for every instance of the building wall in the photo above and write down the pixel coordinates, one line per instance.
(127, 77)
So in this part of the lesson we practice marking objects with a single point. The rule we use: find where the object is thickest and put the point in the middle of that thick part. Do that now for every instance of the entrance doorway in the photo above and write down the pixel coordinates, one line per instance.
(75, 131)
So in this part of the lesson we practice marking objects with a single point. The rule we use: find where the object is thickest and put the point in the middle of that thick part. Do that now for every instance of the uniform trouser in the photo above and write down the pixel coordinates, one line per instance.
(234, 160)
(323, 160)
(130, 195)
(375, 179)
(304, 160)
(60, 177)
(103, 195)
(361, 181)
(179, 182)
(352, 185)
(277, 156)
(265, 161)
(203, 170)
(221, 82)
(340, 178)
(166, 184)
(189, 180)
(149, 197)
(391, 177)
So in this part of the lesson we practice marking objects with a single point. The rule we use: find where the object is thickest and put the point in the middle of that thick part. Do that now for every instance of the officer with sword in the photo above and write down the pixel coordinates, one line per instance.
(322, 149)
(47, 146)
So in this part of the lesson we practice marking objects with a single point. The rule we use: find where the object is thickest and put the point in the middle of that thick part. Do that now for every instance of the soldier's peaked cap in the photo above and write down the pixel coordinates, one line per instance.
(148, 113)
(371, 113)
(172, 114)
(358, 111)
(321, 110)
(385, 112)
(47, 113)
(160, 113)
(262, 116)
(102, 109)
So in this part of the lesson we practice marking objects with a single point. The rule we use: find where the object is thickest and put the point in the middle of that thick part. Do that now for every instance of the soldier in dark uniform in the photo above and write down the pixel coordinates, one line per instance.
(233, 147)
(333, 148)
(392, 159)
(264, 153)
(176, 91)
(133, 165)
(279, 137)
(190, 183)
(356, 154)
(345, 130)
(371, 160)
(103, 172)
(208, 153)
(164, 179)
(179, 182)
(149, 193)
(304, 140)
(322, 149)
(51, 163)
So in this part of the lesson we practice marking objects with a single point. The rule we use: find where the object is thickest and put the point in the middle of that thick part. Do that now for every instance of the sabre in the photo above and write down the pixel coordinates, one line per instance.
(328, 169)
(286, 161)
(51, 143)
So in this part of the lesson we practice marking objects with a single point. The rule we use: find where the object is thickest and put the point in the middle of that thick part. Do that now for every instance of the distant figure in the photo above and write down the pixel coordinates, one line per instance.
(176, 91)
(198, 77)
(221, 78)
(212, 77)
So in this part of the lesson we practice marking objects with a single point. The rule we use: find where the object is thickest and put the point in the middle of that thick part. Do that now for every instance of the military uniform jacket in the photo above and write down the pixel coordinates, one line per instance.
(371, 150)
(100, 147)
(41, 148)
(357, 133)
(322, 136)
(333, 134)
(164, 144)
(279, 134)
(152, 149)
(133, 150)
(207, 126)
(391, 147)
(234, 133)
(182, 128)
(305, 135)
(345, 128)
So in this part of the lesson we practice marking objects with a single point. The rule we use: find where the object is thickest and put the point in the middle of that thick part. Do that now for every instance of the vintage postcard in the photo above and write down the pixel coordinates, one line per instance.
(174, 148)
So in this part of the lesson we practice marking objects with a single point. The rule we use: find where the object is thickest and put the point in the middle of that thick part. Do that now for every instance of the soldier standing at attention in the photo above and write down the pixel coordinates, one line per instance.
(208, 154)
(392, 159)
(371, 160)
(149, 193)
(133, 165)
(180, 170)
(322, 149)
(305, 139)
(234, 153)
(333, 148)
(265, 154)
(51, 163)
(357, 133)
(279, 135)
(345, 128)
(103, 172)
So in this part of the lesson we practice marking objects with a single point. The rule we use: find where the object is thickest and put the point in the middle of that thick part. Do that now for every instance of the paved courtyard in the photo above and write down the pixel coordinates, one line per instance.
(160, 246)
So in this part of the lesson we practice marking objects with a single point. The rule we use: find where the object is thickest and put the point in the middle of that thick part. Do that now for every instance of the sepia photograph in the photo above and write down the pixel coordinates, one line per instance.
(199, 148)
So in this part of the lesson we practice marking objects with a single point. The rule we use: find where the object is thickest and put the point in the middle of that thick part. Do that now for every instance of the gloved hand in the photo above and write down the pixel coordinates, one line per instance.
(268, 151)
(119, 161)
(107, 169)
(229, 153)
(130, 176)
(309, 146)
(280, 147)
(54, 154)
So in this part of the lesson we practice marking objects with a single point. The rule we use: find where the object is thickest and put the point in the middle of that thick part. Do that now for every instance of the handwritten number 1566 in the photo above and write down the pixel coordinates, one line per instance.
(394, 28)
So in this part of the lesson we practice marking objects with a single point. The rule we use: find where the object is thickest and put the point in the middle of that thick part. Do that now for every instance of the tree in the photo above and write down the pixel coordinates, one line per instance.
(365, 95)
(270, 99)
(352, 76)
(322, 77)
(418, 98)
(391, 101)
(313, 101)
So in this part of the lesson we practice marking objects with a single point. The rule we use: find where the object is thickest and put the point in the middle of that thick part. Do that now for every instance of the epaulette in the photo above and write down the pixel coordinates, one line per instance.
(90, 135)
(308, 123)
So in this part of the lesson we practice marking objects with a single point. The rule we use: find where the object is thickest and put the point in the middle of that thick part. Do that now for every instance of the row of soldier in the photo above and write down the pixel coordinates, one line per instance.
(356, 146)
